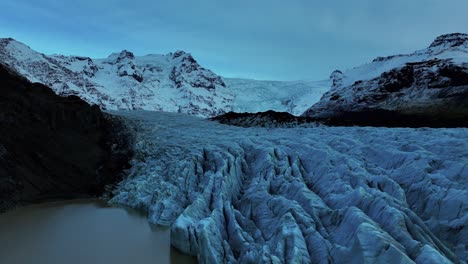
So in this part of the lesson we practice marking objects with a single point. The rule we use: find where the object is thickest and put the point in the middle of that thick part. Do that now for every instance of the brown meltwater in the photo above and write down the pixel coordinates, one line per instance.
(84, 231)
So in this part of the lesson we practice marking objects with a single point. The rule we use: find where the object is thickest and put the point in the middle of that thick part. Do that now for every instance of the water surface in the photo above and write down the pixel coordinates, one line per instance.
(83, 232)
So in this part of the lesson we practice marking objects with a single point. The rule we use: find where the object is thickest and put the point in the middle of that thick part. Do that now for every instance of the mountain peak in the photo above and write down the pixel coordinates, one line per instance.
(126, 54)
(450, 40)
(179, 53)
(7, 39)
(337, 78)
(117, 57)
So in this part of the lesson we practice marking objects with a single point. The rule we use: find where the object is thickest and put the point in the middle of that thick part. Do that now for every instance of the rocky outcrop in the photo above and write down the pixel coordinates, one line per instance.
(189, 71)
(55, 147)
(450, 40)
(430, 85)
(301, 195)
(364, 117)
(336, 78)
(264, 119)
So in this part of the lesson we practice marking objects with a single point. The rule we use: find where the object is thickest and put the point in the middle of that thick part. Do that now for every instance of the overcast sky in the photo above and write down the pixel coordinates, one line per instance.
(261, 39)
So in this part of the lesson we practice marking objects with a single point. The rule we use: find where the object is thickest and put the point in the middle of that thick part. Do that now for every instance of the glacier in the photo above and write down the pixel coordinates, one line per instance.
(294, 97)
(300, 195)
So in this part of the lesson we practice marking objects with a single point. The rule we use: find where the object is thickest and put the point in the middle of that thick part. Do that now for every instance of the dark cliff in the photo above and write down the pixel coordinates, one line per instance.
(54, 147)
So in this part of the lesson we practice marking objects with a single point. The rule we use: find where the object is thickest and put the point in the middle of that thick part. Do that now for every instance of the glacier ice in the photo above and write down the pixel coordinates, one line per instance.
(301, 195)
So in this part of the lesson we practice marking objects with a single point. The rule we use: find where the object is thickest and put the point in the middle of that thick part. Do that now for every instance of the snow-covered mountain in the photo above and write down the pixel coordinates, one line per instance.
(432, 81)
(173, 83)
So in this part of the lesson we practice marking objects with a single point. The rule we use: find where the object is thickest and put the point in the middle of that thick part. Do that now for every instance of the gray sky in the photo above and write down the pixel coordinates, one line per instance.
(261, 39)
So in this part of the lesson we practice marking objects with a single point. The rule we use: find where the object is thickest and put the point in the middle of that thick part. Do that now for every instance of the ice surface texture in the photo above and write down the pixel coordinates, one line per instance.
(301, 195)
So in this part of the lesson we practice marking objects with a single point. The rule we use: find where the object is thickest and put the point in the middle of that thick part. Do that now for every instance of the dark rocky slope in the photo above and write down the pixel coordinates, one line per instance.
(263, 119)
(54, 147)
(364, 117)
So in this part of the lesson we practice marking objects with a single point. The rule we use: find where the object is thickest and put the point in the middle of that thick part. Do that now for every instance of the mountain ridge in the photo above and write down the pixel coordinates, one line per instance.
(431, 82)
(174, 82)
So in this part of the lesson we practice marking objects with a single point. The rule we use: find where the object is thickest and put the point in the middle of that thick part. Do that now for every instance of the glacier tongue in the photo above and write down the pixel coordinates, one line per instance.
(301, 195)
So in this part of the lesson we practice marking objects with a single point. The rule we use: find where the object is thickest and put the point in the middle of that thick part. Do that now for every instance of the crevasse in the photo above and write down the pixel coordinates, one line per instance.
(301, 195)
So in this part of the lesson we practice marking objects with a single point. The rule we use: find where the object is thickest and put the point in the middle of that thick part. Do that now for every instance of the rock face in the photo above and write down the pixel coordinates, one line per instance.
(366, 117)
(54, 147)
(301, 195)
(430, 85)
(264, 119)
(174, 82)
